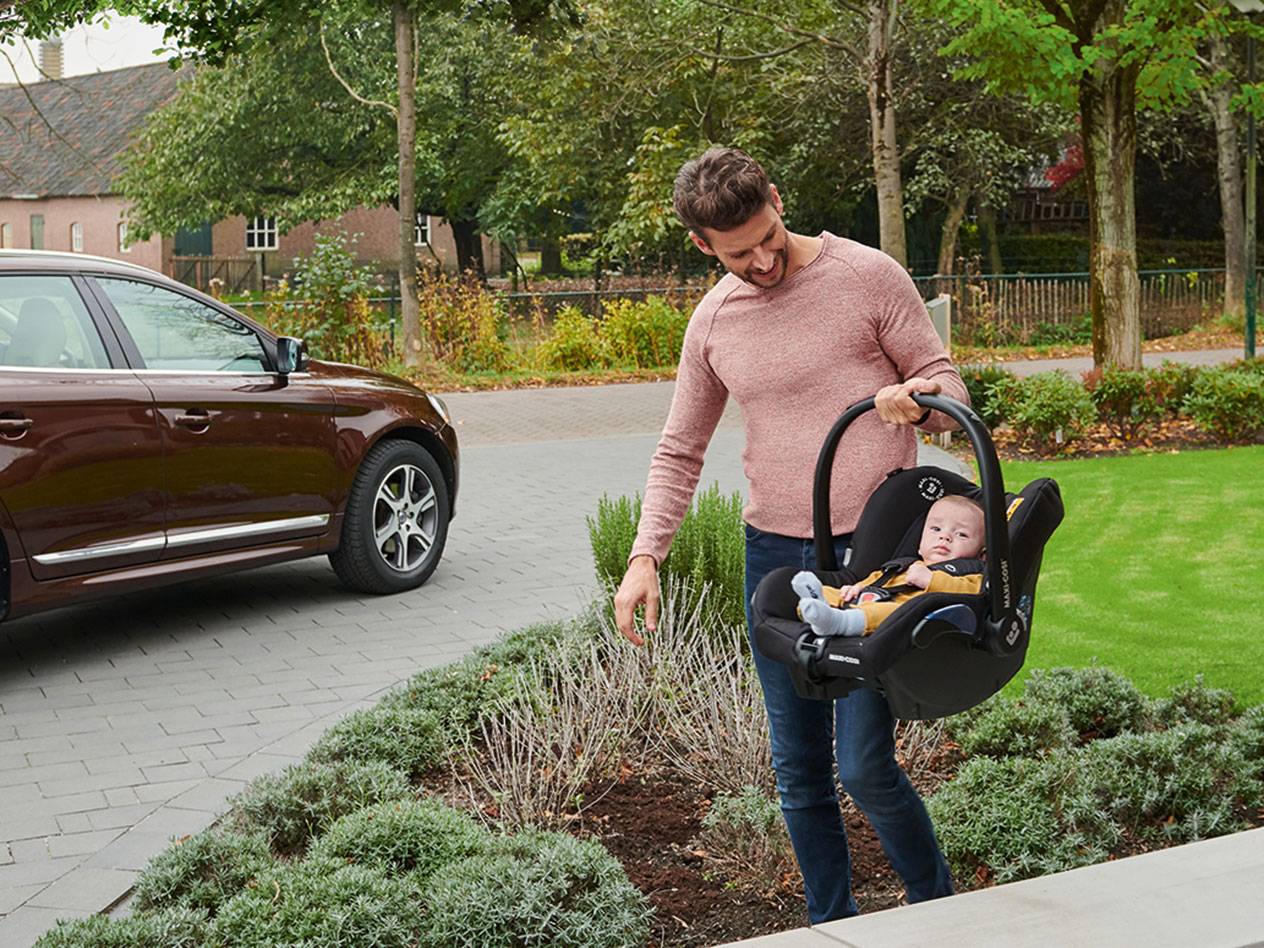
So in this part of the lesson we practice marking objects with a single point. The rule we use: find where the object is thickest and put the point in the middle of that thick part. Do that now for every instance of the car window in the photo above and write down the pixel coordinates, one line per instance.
(45, 325)
(176, 332)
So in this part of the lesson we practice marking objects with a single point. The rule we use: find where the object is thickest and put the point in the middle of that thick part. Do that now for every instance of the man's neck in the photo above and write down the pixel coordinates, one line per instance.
(801, 251)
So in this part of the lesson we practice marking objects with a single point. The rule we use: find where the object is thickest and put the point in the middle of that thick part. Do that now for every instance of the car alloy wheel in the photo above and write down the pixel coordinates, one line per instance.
(405, 518)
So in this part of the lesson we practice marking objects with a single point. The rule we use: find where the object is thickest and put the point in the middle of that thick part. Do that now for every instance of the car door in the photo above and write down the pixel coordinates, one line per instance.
(80, 452)
(249, 452)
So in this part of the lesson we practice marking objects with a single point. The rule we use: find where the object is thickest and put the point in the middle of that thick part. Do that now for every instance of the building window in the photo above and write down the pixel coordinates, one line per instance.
(6, 235)
(37, 231)
(76, 237)
(421, 229)
(261, 233)
(124, 245)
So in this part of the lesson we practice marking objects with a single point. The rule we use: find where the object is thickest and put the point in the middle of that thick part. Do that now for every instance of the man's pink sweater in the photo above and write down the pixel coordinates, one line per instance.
(794, 357)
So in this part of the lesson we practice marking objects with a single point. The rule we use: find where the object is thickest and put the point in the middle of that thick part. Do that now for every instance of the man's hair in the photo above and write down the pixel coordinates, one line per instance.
(722, 189)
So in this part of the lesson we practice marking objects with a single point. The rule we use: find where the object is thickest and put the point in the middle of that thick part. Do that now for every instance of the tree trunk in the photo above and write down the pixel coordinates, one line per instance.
(550, 255)
(949, 232)
(1108, 119)
(406, 138)
(987, 223)
(469, 248)
(886, 151)
(1229, 173)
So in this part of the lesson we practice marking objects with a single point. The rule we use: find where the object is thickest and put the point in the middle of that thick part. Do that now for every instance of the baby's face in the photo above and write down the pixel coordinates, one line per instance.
(954, 530)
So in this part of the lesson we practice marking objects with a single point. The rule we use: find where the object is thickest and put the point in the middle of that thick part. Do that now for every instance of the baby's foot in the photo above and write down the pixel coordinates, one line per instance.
(807, 585)
(827, 621)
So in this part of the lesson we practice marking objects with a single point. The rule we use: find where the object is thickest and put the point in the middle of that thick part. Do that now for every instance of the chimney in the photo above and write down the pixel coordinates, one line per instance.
(50, 59)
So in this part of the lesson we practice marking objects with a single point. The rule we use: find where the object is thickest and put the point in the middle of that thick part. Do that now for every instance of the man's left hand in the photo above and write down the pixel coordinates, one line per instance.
(895, 404)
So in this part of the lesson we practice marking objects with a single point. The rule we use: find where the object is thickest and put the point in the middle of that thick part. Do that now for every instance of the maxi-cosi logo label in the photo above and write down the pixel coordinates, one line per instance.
(932, 488)
(848, 659)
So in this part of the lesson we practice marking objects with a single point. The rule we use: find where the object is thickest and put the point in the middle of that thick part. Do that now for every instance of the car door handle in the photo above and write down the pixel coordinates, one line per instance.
(14, 426)
(194, 418)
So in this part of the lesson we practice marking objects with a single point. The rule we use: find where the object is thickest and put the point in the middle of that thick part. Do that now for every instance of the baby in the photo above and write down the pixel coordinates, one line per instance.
(951, 549)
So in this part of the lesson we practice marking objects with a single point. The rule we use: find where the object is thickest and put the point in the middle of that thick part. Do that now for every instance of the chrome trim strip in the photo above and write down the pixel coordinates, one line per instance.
(247, 530)
(107, 549)
(183, 539)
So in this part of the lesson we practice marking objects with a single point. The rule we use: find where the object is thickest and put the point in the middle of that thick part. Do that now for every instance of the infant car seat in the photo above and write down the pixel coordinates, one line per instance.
(938, 653)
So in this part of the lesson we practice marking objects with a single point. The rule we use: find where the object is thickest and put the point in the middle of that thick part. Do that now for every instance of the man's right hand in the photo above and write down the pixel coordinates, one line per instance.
(639, 586)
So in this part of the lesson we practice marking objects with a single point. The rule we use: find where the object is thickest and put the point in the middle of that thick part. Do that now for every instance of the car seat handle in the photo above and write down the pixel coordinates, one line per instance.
(1003, 622)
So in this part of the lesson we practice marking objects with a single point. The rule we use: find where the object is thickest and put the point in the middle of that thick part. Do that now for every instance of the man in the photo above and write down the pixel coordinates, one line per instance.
(799, 328)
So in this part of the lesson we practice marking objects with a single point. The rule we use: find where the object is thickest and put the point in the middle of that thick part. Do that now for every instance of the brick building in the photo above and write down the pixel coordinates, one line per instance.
(60, 142)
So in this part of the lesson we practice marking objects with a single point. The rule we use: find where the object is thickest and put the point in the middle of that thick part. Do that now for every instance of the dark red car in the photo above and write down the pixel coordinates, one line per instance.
(150, 434)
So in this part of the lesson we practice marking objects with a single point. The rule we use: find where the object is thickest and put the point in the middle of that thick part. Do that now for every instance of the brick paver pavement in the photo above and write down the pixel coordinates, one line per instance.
(128, 722)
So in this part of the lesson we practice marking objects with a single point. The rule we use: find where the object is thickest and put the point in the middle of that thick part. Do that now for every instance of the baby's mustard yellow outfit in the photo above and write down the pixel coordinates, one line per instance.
(944, 578)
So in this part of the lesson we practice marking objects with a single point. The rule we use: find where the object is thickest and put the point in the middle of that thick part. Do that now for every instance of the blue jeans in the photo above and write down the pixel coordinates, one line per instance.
(861, 729)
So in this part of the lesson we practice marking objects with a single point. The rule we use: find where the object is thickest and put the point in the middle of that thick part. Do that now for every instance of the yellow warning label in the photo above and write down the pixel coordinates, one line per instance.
(1009, 514)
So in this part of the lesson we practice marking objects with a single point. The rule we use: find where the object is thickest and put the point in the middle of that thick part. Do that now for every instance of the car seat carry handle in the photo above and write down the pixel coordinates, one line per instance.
(1003, 624)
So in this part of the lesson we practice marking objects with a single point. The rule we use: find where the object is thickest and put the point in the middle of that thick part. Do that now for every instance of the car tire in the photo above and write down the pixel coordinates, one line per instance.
(396, 521)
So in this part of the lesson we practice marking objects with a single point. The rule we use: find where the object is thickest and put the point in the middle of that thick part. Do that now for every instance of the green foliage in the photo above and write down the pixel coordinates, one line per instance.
(328, 306)
(643, 335)
(1247, 738)
(1195, 702)
(986, 385)
(1079, 332)
(318, 905)
(1050, 408)
(464, 324)
(537, 889)
(1228, 403)
(747, 835)
(1005, 727)
(709, 548)
(1127, 401)
(174, 928)
(402, 836)
(1171, 786)
(409, 740)
(573, 343)
(203, 871)
(751, 811)
(459, 694)
(1098, 702)
(1170, 383)
(301, 801)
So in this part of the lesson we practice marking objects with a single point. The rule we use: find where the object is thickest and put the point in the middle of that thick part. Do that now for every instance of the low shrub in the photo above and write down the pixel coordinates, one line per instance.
(1167, 787)
(1228, 403)
(1004, 727)
(1170, 383)
(999, 820)
(708, 551)
(402, 836)
(318, 905)
(536, 889)
(407, 739)
(746, 835)
(1077, 332)
(979, 380)
(1051, 408)
(301, 801)
(573, 343)
(1195, 702)
(464, 324)
(1125, 400)
(1098, 702)
(1247, 738)
(203, 871)
(327, 305)
(644, 334)
(174, 928)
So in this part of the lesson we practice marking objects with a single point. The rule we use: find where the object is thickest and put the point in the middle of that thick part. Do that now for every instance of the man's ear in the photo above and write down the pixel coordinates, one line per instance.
(776, 200)
(701, 244)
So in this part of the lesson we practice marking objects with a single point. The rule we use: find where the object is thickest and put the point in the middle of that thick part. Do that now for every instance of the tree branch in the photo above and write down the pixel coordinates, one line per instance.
(753, 56)
(768, 18)
(351, 92)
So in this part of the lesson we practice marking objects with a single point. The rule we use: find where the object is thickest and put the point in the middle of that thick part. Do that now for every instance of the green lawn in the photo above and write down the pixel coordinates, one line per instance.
(1158, 569)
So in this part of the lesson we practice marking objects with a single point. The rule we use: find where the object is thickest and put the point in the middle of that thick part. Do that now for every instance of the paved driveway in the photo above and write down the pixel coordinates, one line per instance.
(129, 722)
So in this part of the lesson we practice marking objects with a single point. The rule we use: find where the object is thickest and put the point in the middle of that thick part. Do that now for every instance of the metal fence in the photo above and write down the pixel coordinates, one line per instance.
(233, 274)
(1022, 307)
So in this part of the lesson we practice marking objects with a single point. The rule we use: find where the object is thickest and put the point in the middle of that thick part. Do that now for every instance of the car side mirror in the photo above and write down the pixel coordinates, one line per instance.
(291, 355)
